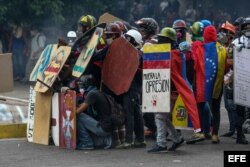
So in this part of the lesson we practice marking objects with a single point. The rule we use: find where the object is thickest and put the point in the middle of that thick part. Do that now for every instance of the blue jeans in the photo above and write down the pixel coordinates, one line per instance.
(205, 116)
(231, 110)
(18, 63)
(90, 133)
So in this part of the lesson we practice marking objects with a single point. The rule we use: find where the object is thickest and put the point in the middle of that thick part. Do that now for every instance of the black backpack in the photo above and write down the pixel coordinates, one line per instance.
(117, 114)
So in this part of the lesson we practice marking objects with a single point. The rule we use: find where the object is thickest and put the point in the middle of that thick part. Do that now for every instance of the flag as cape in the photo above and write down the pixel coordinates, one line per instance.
(178, 76)
(206, 63)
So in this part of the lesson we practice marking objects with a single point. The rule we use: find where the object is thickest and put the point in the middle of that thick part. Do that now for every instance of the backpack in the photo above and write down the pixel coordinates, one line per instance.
(117, 114)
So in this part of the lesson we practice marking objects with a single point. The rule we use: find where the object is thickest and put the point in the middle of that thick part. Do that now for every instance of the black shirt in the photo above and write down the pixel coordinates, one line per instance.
(101, 106)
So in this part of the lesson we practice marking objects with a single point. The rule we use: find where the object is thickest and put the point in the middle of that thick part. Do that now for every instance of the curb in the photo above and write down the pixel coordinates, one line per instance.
(13, 130)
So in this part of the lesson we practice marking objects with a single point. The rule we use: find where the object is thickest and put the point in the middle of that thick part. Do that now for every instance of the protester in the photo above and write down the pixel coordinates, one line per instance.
(183, 73)
(18, 46)
(163, 123)
(94, 121)
(131, 100)
(242, 42)
(210, 37)
(148, 28)
(197, 46)
(37, 45)
(226, 34)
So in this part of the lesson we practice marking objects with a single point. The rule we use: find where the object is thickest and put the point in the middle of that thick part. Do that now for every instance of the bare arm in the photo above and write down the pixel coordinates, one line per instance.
(82, 108)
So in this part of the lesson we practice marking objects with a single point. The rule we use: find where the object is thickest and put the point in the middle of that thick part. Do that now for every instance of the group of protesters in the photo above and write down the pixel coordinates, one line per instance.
(99, 127)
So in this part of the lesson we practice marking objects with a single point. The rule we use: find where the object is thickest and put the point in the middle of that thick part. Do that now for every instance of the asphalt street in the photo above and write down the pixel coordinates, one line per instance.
(20, 153)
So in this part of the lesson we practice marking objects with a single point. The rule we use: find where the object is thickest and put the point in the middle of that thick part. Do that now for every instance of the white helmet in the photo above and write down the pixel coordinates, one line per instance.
(136, 35)
(71, 34)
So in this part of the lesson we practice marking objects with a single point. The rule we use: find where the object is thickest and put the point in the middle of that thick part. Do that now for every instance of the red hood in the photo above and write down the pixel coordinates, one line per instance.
(210, 34)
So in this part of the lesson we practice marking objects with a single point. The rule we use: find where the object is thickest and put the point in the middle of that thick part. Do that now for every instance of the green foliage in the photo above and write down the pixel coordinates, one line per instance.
(51, 12)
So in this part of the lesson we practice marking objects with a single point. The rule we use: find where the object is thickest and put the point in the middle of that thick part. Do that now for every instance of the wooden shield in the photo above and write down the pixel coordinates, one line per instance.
(42, 62)
(42, 118)
(120, 66)
(108, 18)
(67, 118)
(48, 77)
(86, 53)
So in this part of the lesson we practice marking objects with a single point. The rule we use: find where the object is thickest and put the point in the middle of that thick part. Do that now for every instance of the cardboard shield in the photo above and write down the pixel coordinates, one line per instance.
(42, 118)
(241, 77)
(156, 78)
(42, 62)
(67, 118)
(48, 77)
(108, 18)
(120, 66)
(88, 33)
(86, 53)
(6, 73)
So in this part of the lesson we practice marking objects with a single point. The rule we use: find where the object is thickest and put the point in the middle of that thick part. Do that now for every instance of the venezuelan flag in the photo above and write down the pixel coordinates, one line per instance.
(156, 56)
(206, 65)
(222, 54)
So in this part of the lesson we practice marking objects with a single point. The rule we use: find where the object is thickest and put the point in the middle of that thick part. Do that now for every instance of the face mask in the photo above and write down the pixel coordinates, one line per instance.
(222, 37)
(179, 35)
(109, 41)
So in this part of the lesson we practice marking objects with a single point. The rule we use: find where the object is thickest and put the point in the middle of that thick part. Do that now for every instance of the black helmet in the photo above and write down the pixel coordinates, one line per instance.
(245, 24)
(149, 25)
(238, 21)
(86, 80)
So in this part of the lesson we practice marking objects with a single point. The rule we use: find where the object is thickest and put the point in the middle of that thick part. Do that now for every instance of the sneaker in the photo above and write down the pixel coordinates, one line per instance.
(228, 134)
(108, 142)
(85, 147)
(241, 141)
(215, 139)
(125, 145)
(139, 144)
(176, 145)
(158, 149)
(197, 137)
(208, 136)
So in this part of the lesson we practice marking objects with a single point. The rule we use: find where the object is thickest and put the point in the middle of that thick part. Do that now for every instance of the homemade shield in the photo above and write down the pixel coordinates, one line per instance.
(86, 53)
(108, 18)
(42, 62)
(48, 77)
(156, 78)
(120, 66)
(67, 118)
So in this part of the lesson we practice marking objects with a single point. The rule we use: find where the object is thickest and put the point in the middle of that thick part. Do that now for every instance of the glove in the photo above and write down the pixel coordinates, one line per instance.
(64, 89)
(239, 47)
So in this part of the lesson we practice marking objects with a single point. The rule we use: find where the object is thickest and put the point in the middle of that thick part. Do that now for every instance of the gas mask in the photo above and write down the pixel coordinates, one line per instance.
(222, 37)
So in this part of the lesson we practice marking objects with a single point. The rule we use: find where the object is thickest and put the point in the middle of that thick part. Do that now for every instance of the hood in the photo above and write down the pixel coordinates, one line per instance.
(210, 34)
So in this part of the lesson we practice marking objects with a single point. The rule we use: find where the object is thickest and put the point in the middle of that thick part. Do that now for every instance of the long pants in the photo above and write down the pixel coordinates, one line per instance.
(90, 133)
(18, 63)
(134, 119)
(231, 109)
(215, 108)
(240, 120)
(164, 125)
(205, 116)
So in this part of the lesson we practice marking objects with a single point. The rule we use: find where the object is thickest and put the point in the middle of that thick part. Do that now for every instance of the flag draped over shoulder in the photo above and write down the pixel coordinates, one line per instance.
(222, 55)
(206, 65)
(178, 76)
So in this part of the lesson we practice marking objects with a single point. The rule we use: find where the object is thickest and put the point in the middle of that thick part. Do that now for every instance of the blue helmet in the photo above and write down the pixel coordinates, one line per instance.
(206, 23)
